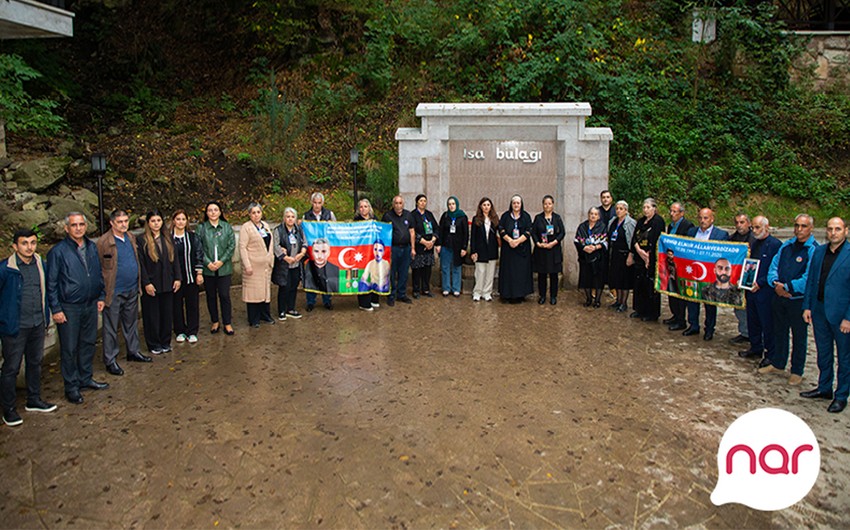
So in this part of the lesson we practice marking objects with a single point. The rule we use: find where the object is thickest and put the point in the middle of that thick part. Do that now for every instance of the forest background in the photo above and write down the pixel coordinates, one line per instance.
(198, 99)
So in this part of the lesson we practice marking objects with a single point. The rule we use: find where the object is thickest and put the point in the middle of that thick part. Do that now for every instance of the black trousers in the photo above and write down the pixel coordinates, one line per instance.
(29, 345)
(646, 301)
(187, 310)
(218, 289)
(422, 279)
(286, 295)
(677, 307)
(552, 277)
(259, 311)
(367, 299)
(77, 338)
(157, 319)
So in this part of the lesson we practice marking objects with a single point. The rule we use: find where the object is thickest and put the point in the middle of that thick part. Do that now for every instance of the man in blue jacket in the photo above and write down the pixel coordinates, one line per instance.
(704, 232)
(76, 294)
(760, 299)
(23, 320)
(826, 306)
(787, 276)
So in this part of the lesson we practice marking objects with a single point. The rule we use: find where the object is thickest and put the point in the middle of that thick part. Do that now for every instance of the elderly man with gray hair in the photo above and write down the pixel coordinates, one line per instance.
(318, 212)
(760, 299)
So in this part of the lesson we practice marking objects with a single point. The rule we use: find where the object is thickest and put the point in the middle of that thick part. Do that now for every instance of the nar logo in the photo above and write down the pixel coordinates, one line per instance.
(768, 459)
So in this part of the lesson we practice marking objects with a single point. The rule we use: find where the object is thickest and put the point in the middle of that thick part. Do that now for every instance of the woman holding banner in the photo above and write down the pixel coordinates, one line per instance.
(620, 275)
(644, 254)
(367, 301)
(425, 226)
(255, 249)
(219, 242)
(454, 237)
(289, 249)
(515, 274)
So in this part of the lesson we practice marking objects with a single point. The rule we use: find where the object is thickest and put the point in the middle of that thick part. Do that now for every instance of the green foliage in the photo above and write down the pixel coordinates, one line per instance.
(18, 109)
(277, 124)
(382, 178)
(143, 107)
(329, 100)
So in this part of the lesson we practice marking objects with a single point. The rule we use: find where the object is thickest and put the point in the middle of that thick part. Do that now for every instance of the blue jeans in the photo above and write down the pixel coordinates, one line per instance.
(311, 298)
(450, 272)
(399, 266)
(828, 338)
(788, 317)
(77, 337)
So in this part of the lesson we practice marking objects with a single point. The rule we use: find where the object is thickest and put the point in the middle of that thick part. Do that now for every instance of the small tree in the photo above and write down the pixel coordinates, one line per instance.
(277, 124)
(19, 111)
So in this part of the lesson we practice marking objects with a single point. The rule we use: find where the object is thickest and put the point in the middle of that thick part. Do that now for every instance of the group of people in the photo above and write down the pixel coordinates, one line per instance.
(165, 267)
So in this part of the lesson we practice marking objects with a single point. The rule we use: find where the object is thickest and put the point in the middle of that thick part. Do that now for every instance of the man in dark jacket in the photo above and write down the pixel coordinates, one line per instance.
(705, 231)
(23, 321)
(679, 226)
(743, 234)
(76, 294)
(760, 298)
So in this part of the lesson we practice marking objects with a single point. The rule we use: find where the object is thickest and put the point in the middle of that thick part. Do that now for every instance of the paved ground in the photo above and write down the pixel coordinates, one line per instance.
(442, 414)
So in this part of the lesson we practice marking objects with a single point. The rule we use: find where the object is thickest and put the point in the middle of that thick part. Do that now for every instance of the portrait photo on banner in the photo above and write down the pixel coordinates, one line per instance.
(701, 271)
(347, 258)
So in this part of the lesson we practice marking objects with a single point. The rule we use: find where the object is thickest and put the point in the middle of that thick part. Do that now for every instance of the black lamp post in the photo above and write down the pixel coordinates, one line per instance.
(98, 167)
(355, 157)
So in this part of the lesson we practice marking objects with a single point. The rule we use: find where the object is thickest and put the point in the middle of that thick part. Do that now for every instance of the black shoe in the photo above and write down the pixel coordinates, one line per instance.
(837, 405)
(37, 405)
(764, 362)
(257, 325)
(553, 300)
(12, 418)
(230, 331)
(708, 335)
(310, 307)
(74, 397)
(415, 295)
(390, 302)
(405, 300)
(138, 358)
(329, 306)
(668, 321)
(541, 300)
(740, 339)
(428, 294)
(749, 354)
(817, 394)
(96, 385)
(676, 326)
(216, 329)
(596, 304)
(634, 314)
(649, 319)
(690, 331)
(114, 369)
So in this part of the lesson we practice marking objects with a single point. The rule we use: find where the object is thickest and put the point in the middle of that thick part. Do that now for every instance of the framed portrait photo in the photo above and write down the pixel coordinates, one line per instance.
(749, 273)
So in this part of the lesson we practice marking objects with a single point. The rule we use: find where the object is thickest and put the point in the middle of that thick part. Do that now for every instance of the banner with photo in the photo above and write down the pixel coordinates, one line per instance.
(347, 258)
(701, 271)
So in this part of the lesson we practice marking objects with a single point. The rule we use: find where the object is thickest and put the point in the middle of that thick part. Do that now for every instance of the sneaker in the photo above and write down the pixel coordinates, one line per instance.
(156, 351)
(488, 298)
(12, 418)
(476, 298)
(193, 339)
(181, 338)
(37, 405)
(293, 314)
(281, 316)
(376, 305)
(445, 293)
(370, 308)
(166, 349)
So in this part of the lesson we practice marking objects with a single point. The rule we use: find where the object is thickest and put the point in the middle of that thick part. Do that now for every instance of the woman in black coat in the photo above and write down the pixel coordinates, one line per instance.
(289, 249)
(454, 238)
(484, 249)
(159, 271)
(515, 272)
(548, 232)
(190, 259)
(425, 226)
(591, 243)
(644, 254)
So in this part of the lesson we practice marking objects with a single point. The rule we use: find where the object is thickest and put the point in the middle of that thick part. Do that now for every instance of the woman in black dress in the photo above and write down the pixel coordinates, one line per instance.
(647, 302)
(621, 228)
(425, 226)
(159, 271)
(548, 232)
(591, 243)
(515, 275)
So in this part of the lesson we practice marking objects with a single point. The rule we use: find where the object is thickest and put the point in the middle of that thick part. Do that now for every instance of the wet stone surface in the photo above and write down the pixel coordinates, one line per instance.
(440, 414)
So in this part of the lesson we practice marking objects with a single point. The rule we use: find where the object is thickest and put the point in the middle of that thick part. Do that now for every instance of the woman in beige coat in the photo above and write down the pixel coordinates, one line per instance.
(255, 249)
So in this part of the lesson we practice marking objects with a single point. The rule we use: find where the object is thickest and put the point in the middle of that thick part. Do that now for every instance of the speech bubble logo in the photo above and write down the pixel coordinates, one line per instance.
(768, 459)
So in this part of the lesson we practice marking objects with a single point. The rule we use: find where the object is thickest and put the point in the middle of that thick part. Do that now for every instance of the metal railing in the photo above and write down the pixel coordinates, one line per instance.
(815, 15)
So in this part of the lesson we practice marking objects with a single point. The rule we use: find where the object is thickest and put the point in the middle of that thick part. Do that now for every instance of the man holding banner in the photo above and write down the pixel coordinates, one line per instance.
(704, 232)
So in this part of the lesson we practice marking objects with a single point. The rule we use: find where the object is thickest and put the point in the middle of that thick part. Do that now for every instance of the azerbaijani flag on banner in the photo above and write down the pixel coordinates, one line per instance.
(347, 258)
(701, 271)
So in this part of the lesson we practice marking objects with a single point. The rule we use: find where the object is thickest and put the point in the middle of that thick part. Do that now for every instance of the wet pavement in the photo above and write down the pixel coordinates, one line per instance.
(441, 414)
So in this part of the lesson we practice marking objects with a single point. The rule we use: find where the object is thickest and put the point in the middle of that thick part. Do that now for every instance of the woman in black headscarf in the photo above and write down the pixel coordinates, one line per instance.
(515, 274)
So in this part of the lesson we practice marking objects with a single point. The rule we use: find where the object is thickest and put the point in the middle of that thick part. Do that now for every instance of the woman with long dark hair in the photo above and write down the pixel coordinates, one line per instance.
(219, 243)
(484, 249)
(159, 272)
(516, 279)
(190, 258)
(548, 232)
